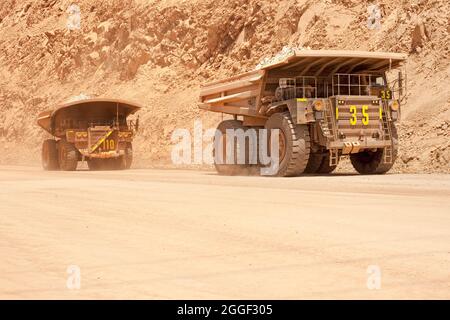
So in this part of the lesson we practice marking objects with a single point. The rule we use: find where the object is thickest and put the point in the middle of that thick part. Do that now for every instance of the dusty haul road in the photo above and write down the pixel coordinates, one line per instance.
(160, 234)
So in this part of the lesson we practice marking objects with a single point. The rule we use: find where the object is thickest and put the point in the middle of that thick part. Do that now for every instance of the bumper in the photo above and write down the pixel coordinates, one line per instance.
(355, 145)
(102, 155)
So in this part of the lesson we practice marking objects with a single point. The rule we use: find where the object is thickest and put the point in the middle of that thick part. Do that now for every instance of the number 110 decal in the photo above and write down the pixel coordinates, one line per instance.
(108, 144)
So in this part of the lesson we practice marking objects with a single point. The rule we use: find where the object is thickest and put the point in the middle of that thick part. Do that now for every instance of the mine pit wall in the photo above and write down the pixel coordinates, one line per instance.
(160, 53)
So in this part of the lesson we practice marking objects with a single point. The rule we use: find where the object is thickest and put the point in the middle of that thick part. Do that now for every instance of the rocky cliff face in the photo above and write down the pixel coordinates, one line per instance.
(158, 52)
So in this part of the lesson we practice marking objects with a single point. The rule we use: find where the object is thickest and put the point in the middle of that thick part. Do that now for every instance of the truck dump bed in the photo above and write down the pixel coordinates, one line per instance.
(231, 95)
(242, 94)
(65, 115)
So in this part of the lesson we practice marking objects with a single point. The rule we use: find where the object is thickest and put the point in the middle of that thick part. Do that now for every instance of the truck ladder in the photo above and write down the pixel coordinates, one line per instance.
(330, 130)
(334, 157)
(386, 125)
(329, 125)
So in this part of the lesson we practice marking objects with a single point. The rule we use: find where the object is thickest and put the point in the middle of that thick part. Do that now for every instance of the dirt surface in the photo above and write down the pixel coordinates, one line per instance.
(187, 234)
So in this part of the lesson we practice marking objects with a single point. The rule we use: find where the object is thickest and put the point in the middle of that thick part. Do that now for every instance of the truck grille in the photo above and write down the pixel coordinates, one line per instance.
(351, 121)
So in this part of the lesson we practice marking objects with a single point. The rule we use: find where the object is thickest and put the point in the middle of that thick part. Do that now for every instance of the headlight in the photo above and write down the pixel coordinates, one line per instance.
(395, 105)
(318, 105)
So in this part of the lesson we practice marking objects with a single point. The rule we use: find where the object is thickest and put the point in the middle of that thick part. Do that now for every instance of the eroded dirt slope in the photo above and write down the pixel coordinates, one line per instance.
(159, 52)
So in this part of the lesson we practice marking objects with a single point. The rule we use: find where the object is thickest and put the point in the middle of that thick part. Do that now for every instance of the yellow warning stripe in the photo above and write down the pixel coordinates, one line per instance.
(99, 142)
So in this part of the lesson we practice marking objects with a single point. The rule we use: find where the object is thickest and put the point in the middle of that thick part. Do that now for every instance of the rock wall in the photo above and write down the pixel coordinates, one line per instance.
(159, 52)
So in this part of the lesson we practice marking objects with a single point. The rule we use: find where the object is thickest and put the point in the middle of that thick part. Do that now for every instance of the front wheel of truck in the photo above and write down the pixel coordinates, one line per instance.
(294, 144)
(372, 162)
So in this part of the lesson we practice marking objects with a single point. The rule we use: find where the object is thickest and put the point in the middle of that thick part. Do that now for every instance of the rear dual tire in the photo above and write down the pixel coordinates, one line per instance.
(59, 155)
(68, 156)
(319, 163)
(49, 157)
(294, 147)
(220, 160)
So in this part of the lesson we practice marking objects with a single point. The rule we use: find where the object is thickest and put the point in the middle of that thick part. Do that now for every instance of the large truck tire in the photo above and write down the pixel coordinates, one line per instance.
(294, 144)
(372, 162)
(123, 162)
(50, 155)
(67, 156)
(325, 166)
(319, 163)
(221, 166)
(105, 164)
(128, 157)
(314, 163)
(94, 164)
(113, 164)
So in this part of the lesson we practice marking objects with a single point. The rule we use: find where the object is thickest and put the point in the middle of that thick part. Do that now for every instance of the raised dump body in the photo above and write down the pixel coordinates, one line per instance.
(95, 130)
(340, 102)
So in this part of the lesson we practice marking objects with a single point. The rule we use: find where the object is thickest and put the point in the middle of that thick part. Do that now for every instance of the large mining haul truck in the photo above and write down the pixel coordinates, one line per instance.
(325, 103)
(95, 130)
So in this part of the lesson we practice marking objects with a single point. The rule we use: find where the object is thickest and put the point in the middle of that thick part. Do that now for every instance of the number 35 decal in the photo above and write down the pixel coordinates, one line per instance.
(354, 118)
(385, 94)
